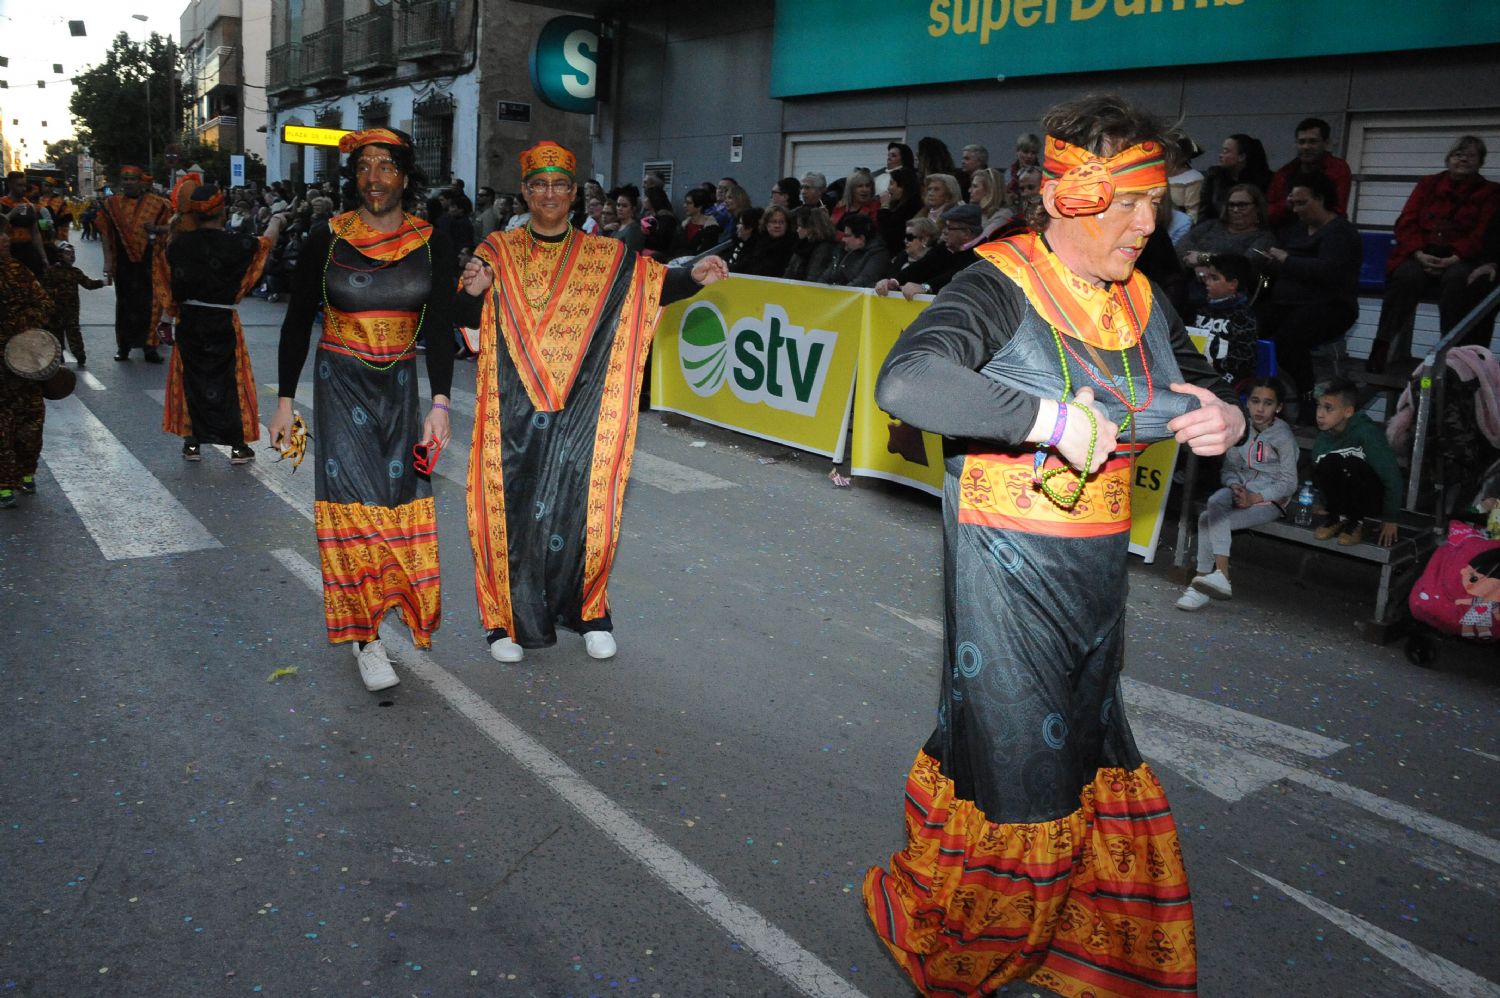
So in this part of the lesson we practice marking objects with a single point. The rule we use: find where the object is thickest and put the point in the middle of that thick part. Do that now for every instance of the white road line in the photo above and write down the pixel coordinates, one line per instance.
(1444, 975)
(88, 378)
(1482, 755)
(777, 950)
(669, 476)
(124, 508)
(1226, 767)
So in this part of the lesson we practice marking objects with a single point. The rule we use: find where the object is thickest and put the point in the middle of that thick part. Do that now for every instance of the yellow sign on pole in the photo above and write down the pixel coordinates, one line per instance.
(303, 135)
(884, 447)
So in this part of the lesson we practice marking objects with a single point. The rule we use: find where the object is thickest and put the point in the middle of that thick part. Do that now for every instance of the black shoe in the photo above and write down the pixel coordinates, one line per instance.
(241, 455)
(122, 355)
(81, 362)
(152, 357)
(7, 499)
(28, 486)
(190, 450)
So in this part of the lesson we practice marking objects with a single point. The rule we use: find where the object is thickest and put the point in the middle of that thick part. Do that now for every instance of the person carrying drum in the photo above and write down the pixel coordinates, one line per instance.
(23, 306)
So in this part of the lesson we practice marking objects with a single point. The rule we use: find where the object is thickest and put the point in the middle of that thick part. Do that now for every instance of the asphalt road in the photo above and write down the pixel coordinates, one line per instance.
(692, 818)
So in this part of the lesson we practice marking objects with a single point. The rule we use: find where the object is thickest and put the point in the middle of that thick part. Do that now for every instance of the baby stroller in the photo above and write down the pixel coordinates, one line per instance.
(1458, 592)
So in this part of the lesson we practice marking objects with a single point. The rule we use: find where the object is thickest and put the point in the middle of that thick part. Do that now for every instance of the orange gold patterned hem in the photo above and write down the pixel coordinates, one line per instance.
(376, 559)
(1092, 905)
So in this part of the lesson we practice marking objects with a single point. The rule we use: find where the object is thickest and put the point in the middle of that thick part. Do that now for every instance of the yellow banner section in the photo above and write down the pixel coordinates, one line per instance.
(304, 135)
(883, 446)
(771, 358)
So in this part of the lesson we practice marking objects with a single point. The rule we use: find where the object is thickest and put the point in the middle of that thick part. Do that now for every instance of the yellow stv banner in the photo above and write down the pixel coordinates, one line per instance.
(771, 358)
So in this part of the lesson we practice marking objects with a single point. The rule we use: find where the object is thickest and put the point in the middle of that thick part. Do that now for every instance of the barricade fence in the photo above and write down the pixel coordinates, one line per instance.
(795, 364)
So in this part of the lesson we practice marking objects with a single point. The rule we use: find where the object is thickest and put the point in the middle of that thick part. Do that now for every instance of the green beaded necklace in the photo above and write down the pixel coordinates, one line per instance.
(330, 318)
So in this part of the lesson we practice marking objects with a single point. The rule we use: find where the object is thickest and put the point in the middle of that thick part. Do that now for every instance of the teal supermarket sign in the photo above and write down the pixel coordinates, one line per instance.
(909, 42)
(566, 64)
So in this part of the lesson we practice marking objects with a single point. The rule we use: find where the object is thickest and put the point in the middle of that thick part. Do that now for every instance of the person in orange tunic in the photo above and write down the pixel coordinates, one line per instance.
(127, 224)
(1039, 845)
(565, 322)
(381, 276)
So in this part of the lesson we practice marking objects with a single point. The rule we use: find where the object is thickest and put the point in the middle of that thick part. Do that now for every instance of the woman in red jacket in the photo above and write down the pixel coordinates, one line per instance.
(1439, 235)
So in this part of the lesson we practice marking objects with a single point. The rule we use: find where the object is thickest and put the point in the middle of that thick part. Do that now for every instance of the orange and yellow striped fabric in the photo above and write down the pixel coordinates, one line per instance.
(1112, 318)
(377, 245)
(1095, 903)
(374, 559)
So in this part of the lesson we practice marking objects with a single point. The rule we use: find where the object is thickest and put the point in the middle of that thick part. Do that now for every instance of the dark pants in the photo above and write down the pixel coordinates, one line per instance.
(1350, 487)
(21, 414)
(132, 302)
(1404, 290)
(1297, 329)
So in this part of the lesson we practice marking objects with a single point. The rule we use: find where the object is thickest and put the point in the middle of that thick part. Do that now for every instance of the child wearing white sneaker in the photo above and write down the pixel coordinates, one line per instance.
(1259, 477)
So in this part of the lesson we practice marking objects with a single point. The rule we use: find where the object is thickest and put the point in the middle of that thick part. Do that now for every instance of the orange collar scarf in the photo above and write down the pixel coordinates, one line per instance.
(1110, 318)
(1086, 183)
(377, 245)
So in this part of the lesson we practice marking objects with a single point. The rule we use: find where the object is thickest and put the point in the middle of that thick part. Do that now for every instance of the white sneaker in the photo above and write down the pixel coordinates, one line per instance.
(600, 644)
(506, 650)
(1192, 599)
(1214, 584)
(375, 667)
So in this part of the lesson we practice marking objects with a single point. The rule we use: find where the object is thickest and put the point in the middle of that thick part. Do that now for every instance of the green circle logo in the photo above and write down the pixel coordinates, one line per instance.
(703, 349)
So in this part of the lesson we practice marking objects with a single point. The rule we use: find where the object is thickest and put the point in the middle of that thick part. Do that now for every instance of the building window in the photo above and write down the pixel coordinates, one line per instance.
(375, 114)
(434, 137)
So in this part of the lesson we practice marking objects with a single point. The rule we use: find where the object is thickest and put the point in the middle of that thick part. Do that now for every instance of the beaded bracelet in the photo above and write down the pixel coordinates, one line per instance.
(441, 405)
(1044, 478)
(1058, 428)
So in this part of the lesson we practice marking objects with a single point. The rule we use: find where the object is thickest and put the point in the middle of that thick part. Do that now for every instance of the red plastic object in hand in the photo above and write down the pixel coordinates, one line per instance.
(426, 455)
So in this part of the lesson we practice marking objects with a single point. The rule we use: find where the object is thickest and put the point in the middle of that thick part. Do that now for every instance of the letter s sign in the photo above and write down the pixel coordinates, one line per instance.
(566, 64)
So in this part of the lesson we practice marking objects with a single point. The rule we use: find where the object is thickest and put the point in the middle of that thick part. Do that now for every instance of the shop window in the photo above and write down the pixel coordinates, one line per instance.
(327, 162)
(433, 137)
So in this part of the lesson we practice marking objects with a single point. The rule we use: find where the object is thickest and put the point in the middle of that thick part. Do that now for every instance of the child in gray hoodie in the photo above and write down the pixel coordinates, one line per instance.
(1259, 477)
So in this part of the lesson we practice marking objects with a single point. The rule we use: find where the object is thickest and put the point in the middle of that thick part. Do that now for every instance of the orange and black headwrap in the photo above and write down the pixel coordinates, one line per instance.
(1086, 183)
(192, 196)
(370, 136)
(131, 173)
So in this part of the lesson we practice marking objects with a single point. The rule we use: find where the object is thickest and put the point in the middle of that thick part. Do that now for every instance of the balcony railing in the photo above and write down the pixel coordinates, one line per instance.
(323, 55)
(284, 69)
(370, 41)
(220, 69)
(427, 29)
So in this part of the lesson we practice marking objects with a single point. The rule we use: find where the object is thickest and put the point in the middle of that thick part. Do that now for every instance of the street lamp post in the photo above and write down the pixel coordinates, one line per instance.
(146, 49)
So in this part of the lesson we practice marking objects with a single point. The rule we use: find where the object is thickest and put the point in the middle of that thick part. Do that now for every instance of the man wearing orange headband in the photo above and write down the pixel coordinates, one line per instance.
(1039, 844)
(565, 321)
(126, 225)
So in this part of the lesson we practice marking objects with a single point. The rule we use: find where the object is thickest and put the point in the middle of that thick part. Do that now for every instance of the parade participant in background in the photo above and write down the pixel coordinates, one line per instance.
(1039, 844)
(24, 215)
(55, 201)
(62, 281)
(381, 276)
(211, 393)
(126, 225)
(23, 305)
(565, 331)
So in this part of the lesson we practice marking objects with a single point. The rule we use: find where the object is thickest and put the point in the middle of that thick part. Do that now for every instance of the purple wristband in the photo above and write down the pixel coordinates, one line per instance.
(1059, 427)
(441, 405)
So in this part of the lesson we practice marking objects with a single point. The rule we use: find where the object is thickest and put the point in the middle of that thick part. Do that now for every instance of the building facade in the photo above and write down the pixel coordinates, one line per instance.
(223, 72)
(437, 69)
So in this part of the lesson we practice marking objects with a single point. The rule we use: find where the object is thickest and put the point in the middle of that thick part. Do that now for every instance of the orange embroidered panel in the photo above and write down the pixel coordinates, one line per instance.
(614, 438)
(133, 218)
(996, 490)
(378, 337)
(547, 344)
(375, 558)
(1110, 318)
(1095, 903)
(385, 246)
(485, 497)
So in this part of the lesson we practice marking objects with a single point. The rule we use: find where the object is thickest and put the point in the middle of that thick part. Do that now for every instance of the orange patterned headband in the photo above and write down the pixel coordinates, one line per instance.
(1086, 183)
(370, 136)
(185, 197)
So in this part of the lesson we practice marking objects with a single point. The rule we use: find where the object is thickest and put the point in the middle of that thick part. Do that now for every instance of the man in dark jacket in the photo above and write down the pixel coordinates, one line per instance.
(861, 259)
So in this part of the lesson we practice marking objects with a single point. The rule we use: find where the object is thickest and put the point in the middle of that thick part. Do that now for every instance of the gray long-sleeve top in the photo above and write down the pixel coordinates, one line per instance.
(931, 378)
(1265, 463)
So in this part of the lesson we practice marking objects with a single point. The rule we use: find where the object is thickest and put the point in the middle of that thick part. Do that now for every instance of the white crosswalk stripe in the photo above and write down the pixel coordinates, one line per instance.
(124, 508)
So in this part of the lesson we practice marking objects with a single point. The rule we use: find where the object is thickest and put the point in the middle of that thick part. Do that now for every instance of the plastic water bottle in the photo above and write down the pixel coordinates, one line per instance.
(1302, 516)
